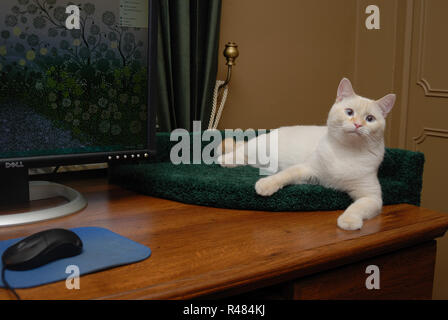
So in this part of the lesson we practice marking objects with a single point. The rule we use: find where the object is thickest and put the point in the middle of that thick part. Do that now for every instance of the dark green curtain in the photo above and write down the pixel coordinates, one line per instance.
(188, 43)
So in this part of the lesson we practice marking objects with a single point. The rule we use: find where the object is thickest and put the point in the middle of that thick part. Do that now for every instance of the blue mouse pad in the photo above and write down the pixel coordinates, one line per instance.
(102, 249)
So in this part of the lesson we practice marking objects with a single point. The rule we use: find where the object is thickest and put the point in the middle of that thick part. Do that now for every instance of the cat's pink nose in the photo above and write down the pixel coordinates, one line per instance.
(358, 125)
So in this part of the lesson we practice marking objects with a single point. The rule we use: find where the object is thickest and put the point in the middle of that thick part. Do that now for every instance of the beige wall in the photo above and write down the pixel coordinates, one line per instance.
(293, 54)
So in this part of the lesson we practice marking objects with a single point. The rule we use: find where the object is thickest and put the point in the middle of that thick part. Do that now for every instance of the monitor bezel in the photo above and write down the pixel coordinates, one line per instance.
(103, 157)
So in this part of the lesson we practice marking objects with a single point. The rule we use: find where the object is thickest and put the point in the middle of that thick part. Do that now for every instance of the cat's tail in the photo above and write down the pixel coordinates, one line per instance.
(226, 146)
(227, 155)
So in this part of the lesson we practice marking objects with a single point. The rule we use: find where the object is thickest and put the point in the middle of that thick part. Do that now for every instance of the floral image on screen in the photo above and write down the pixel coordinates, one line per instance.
(63, 90)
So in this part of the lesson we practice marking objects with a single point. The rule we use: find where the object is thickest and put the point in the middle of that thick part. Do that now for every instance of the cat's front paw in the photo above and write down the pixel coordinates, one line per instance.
(266, 187)
(350, 222)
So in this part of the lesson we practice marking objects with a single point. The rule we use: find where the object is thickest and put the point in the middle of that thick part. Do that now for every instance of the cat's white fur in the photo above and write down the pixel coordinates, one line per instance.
(344, 155)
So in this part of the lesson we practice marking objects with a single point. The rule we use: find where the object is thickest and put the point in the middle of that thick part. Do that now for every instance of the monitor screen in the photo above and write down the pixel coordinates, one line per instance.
(73, 79)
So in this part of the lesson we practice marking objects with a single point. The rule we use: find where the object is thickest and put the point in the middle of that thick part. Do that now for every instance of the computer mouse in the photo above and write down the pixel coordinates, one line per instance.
(42, 248)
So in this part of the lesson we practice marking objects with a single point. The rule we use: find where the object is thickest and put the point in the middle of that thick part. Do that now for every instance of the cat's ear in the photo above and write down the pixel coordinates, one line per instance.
(345, 90)
(387, 103)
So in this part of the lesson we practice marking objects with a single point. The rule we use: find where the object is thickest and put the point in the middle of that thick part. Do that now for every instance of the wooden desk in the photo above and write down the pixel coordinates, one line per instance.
(208, 253)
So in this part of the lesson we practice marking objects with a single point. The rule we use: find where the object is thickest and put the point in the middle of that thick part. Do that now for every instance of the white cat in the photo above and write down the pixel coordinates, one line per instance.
(344, 155)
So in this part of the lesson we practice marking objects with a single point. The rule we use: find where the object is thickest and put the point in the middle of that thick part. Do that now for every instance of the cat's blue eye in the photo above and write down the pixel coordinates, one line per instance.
(370, 118)
(349, 112)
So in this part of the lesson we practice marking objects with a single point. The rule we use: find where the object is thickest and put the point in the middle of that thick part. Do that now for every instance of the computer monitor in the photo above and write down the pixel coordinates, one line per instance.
(76, 87)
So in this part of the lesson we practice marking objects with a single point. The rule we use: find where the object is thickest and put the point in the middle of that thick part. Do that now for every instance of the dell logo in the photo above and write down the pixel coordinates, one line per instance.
(11, 165)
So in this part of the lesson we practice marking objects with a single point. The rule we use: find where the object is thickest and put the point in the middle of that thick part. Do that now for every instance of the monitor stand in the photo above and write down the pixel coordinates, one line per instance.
(16, 189)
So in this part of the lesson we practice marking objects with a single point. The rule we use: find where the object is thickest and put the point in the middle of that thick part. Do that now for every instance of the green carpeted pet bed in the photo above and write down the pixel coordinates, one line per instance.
(211, 185)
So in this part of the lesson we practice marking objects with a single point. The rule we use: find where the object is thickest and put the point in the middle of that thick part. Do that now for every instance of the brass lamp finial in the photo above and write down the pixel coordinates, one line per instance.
(231, 53)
